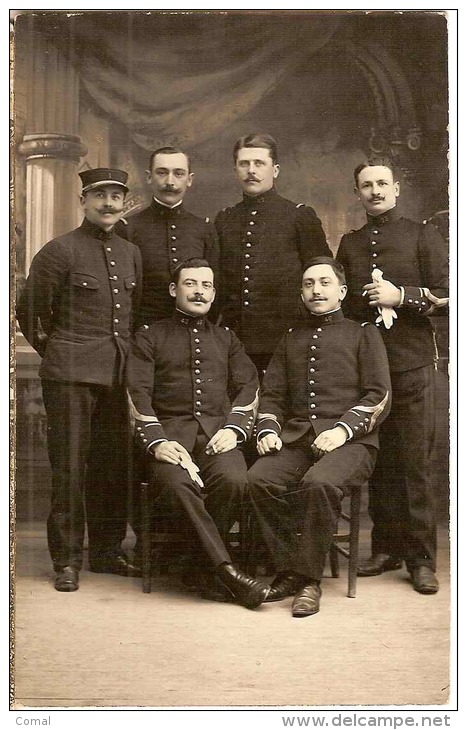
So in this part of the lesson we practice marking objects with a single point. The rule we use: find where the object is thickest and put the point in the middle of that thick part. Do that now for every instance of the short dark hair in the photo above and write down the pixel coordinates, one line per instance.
(375, 162)
(168, 150)
(257, 140)
(335, 266)
(194, 263)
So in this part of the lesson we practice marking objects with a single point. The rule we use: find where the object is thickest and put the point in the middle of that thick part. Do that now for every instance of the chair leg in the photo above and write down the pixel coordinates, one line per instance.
(146, 537)
(243, 527)
(355, 498)
(334, 561)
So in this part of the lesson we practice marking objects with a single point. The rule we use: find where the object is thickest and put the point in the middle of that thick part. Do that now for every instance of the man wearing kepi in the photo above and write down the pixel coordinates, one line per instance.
(166, 233)
(265, 240)
(194, 395)
(76, 312)
(397, 272)
(325, 393)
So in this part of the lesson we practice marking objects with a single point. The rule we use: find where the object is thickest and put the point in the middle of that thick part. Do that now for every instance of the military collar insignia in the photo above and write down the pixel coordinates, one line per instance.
(322, 320)
(96, 231)
(253, 201)
(163, 211)
(381, 220)
(185, 319)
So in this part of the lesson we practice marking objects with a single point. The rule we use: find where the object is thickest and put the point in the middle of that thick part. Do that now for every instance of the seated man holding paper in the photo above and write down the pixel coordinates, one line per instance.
(194, 396)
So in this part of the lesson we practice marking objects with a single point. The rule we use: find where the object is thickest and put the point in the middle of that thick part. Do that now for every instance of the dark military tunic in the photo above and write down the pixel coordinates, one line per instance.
(188, 378)
(166, 237)
(412, 256)
(265, 242)
(80, 292)
(181, 374)
(76, 311)
(333, 372)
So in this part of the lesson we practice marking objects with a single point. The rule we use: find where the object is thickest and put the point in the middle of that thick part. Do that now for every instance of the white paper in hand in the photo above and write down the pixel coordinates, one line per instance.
(192, 470)
(387, 315)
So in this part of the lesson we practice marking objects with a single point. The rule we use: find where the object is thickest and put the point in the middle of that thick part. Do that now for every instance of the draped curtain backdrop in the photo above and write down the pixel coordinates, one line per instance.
(185, 76)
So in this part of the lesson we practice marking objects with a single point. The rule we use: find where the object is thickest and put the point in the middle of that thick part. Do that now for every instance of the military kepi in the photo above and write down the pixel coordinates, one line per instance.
(103, 176)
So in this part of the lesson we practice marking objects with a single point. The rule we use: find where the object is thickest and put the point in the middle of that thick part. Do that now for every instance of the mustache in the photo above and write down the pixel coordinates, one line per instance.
(252, 178)
(197, 298)
(106, 209)
(170, 189)
(374, 198)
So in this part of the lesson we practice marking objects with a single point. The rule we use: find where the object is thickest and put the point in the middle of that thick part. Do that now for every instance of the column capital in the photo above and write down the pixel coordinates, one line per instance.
(50, 145)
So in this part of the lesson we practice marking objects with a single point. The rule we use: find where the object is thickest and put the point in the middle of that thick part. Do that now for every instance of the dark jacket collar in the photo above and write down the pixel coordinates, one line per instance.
(253, 201)
(185, 319)
(96, 231)
(381, 220)
(161, 211)
(322, 320)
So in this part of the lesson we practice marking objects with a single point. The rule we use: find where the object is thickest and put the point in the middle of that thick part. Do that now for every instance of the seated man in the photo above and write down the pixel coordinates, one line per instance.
(325, 392)
(194, 395)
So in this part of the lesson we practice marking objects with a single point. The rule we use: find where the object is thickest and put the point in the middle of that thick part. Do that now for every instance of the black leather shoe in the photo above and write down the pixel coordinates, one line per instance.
(206, 585)
(306, 602)
(424, 580)
(284, 585)
(377, 564)
(116, 564)
(67, 580)
(246, 590)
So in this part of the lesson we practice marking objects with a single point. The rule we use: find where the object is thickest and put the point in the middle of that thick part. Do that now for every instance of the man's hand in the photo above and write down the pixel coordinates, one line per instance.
(382, 293)
(222, 441)
(328, 441)
(268, 444)
(171, 451)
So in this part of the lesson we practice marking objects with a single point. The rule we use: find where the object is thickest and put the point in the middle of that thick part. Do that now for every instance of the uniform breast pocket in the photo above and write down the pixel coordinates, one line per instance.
(85, 281)
(130, 282)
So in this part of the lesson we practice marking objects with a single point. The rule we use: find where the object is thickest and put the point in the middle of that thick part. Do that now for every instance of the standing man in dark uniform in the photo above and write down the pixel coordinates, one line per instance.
(166, 233)
(325, 393)
(76, 312)
(265, 240)
(194, 395)
(397, 272)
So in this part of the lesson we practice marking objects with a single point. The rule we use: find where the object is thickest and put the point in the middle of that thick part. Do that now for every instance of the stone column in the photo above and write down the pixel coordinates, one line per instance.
(51, 144)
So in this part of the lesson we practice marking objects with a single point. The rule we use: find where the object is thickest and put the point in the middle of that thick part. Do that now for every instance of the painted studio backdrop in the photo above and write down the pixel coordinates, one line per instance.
(105, 89)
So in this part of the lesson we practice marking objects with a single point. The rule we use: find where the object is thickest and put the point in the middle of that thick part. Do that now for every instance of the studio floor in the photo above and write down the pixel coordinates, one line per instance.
(110, 645)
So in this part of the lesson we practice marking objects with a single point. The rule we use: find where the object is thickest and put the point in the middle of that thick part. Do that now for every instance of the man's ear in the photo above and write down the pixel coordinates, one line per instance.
(397, 189)
(276, 171)
(148, 176)
(213, 294)
(357, 192)
(190, 180)
(301, 296)
(343, 292)
(173, 289)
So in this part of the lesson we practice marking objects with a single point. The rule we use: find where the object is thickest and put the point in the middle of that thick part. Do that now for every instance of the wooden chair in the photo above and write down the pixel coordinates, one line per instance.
(349, 538)
(155, 535)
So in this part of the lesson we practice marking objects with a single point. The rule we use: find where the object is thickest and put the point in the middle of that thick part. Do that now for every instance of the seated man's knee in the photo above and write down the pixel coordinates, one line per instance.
(317, 487)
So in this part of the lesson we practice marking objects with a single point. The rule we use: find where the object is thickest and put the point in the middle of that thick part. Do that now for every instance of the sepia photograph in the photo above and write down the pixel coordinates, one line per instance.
(229, 323)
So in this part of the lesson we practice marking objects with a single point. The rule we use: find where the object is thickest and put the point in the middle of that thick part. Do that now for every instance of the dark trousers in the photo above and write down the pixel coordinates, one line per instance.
(297, 500)
(206, 514)
(401, 501)
(88, 443)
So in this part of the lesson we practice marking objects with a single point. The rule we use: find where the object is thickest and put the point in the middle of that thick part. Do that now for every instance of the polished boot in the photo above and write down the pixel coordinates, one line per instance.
(306, 602)
(246, 590)
(424, 580)
(117, 564)
(284, 585)
(377, 564)
(67, 579)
